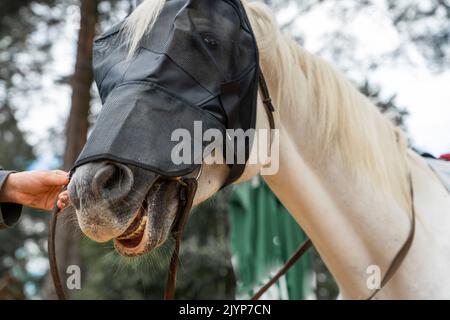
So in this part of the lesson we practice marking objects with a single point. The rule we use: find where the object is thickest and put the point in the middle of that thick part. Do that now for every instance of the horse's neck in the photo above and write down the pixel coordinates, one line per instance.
(345, 216)
(347, 223)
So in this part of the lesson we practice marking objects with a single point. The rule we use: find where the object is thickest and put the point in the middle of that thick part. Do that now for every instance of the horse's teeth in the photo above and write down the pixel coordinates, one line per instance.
(135, 232)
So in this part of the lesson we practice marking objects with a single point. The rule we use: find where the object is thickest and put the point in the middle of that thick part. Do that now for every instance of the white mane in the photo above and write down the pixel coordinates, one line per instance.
(141, 21)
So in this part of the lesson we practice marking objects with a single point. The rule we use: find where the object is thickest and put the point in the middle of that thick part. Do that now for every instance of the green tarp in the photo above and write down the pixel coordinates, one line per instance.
(263, 237)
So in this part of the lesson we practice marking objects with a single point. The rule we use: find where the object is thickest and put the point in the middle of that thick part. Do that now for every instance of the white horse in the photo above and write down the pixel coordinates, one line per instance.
(343, 175)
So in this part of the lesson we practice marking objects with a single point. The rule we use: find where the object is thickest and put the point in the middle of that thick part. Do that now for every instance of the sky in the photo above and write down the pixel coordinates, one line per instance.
(424, 94)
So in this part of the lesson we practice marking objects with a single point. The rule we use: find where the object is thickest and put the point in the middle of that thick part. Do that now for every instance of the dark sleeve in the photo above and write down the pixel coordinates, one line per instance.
(9, 212)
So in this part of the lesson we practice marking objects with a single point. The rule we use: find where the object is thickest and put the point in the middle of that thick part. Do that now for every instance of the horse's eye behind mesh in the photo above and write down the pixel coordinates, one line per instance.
(210, 41)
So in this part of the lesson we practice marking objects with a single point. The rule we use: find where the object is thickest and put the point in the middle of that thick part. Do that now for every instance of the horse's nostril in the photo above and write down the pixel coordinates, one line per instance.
(112, 182)
(102, 178)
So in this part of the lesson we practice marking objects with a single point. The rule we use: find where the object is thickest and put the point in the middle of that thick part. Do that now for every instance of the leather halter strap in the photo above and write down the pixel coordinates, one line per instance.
(267, 100)
(52, 253)
(187, 194)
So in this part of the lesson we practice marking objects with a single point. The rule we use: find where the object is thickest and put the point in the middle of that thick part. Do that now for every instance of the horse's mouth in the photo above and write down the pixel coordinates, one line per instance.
(138, 239)
(152, 224)
(133, 236)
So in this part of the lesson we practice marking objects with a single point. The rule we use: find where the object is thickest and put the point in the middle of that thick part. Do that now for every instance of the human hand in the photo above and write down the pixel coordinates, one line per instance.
(37, 189)
(63, 199)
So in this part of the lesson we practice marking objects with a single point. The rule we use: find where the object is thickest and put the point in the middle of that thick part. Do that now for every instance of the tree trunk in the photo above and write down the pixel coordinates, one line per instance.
(67, 239)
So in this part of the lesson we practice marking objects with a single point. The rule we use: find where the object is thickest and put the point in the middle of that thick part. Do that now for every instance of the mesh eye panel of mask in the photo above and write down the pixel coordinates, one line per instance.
(199, 62)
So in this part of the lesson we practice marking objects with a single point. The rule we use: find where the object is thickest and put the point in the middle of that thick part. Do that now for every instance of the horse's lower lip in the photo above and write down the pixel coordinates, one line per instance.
(153, 224)
(135, 225)
(135, 244)
(132, 237)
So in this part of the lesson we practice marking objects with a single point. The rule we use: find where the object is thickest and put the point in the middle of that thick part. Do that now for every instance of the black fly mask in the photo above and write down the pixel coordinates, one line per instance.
(198, 64)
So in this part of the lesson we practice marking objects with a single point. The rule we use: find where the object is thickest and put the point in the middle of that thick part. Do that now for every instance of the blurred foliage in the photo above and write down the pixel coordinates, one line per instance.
(18, 245)
(325, 286)
(19, 20)
(423, 25)
(16, 153)
(426, 23)
(21, 61)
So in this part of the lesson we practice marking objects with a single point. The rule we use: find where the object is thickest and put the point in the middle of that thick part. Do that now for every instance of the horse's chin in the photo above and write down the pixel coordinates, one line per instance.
(153, 222)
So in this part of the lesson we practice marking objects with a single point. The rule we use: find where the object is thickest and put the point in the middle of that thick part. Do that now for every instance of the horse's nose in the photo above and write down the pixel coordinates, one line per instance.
(112, 182)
